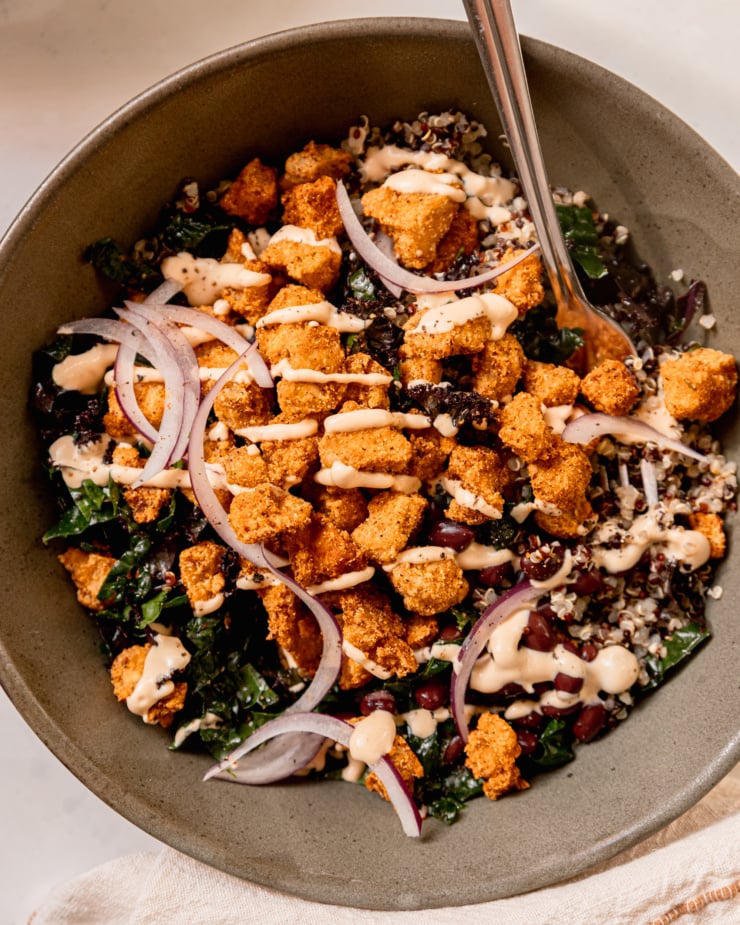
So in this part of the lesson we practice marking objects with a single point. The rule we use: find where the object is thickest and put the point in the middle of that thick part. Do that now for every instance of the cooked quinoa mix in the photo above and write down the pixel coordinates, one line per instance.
(411, 458)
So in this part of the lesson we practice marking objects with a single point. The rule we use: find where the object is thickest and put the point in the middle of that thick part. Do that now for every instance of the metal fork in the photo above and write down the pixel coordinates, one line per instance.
(497, 41)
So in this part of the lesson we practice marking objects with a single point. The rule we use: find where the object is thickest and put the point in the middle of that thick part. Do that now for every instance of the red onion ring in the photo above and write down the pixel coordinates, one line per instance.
(112, 330)
(125, 376)
(331, 656)
(495, 614)
(589, 426)
(337, 730)
(391, 272)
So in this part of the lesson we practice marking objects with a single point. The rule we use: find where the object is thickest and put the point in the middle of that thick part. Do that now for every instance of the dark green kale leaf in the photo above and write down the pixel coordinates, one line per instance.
(581, 238)
(403, 688)
(462, 406)
(679, 645)
(555, 745)
(542, 339)
(111, 261)
(446, 797)
(90, 505)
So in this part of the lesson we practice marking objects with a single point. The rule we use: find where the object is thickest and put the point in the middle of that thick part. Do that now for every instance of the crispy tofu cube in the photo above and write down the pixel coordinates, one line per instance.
(306, 399)
(460, 238)
(480, 471)
(321, 551)
(370, 625)
(610, 388)
(377, 449)
(314, 205)
(522, 285)
(146, 503)
(266, 512)
(347, 507)
(202, 576)
(367, 396)
(711, 526)
(292, 625)
(314, 161)
(491, 753)
(253, 194)
(430, 451)
(568, 524)
(524, 428)
(289, 461)
(421, 630)
(393, 517)
(244, 467)
(241, 404)
(416, 222)
(498, 367)
(561, 477)
(89, 571)
(214, 354)
(461, 340)
(421, 369)
(429, 588)
(150, 396)
(700, 385)
(125, 672)
(405, 762)
(550, 384)
(313, 265)
(305, 346)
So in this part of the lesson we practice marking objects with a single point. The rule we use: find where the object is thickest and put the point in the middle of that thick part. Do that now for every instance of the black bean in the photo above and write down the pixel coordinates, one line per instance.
(377, 700)
(451, 534)
(527, 740)
(543, 562)
(431, 695)
(532, 720)
(588, 652)
(587, 582)
(453, 751)
(567, 683)
(554, 712)
(494, 575)
(589, 722)
(539, 635)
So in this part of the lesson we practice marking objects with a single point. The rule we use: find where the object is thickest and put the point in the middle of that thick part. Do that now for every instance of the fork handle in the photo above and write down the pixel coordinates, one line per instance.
(495, 34)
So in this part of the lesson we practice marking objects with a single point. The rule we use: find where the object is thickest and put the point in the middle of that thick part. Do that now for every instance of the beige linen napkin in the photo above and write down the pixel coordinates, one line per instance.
(689, 873)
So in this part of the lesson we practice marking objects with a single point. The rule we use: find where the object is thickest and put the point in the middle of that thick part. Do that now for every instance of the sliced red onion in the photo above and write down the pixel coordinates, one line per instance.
(391, 272)
(124, 373)
(590, 426)
(337, 730)
(331, 656)
(385, 246)
(502, 608)
(112, 330)
(164, 292)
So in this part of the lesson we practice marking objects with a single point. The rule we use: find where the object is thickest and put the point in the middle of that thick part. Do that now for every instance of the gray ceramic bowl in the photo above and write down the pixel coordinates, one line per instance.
(330, 841)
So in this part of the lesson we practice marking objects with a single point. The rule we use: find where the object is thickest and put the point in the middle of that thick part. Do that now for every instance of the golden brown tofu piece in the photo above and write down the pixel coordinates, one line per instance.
(700, 385)
(214, 354)
(522, 285)
(429, 588)
(292, 625)
(367, 396)
(289, 461)
(421, 630)
(713, 529)
(498, 367)
(524, 428)
(313, 265)
(610, 388)
(314, 205)
(146, 503)
(461, 238)
(569, 524)
(550, 384)
(416, 222)
(377, 449)
(347, 507)
(89, 571)
(561, 477)
(314, 161)
(253, 195)
(149, 395)
(201, 573)
(491, 753)
(250, 303)
(294, 294)
(125, 672)
(307, 399)
(393, 517)
(370, 625)
(429, 453)
(321, 551)
(421, 369)
(461, 340)
(406, 763)
(266, 512)
(305, 346)
(480, 471)
(241, 404)
(244, 467)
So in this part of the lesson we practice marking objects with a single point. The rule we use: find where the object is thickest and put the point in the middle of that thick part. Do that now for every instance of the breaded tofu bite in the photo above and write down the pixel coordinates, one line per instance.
(202, 576)
(712, 527)
(367, 395)
(347, 507)
(498, 367)
(491, 753)
(126, 671)
(524, 428)
(416, 222)
(522, 285)
(560, 477)
(312, 264)
(429, 588)
(405, 762)
(266, 512)
(150, 397)
(550, 384)
(320, 551)
(146, 503)
(461, 238)
(314, 205)
(699, 385)
(479, 475)
(88, 571)
(392, 519)
(314, 161)
(244, 466)
(292, 625)
(469, 337)
(253, 195)
(610, 388)
(243, 404)
(373, 449)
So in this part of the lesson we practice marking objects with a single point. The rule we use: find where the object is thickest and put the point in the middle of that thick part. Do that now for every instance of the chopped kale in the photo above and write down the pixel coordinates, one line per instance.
(91, 504)
(463, 406)
(542, 339)
(554, 748)
(678, 646)
(581, 238)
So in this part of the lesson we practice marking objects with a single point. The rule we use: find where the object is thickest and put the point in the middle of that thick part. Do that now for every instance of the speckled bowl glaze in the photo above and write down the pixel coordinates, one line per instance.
(333, 842)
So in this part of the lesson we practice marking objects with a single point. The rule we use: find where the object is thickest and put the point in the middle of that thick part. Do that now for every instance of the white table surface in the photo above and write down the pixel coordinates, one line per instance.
(66, 64)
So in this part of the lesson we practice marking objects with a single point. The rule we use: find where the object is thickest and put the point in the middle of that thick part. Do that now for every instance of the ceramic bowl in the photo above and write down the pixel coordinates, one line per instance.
(334, 842)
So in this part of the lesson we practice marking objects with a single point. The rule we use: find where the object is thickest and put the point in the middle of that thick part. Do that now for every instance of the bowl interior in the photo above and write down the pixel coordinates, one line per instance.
(332, 842)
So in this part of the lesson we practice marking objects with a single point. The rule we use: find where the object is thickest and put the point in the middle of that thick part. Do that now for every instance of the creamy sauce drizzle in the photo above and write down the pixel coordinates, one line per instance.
(299, 235)
(348, 580)
(444, 318)
(84, 372)
(258, 432)
(322, 312)
(469, 499)
(205, 278)
(475, 556)
(341, 475)
(370, 418)
(373, 737)
(166, 656)
(677, 543)
(282, 369)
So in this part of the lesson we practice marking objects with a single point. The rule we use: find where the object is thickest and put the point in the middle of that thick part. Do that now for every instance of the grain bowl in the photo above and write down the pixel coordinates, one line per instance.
(328, 841)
